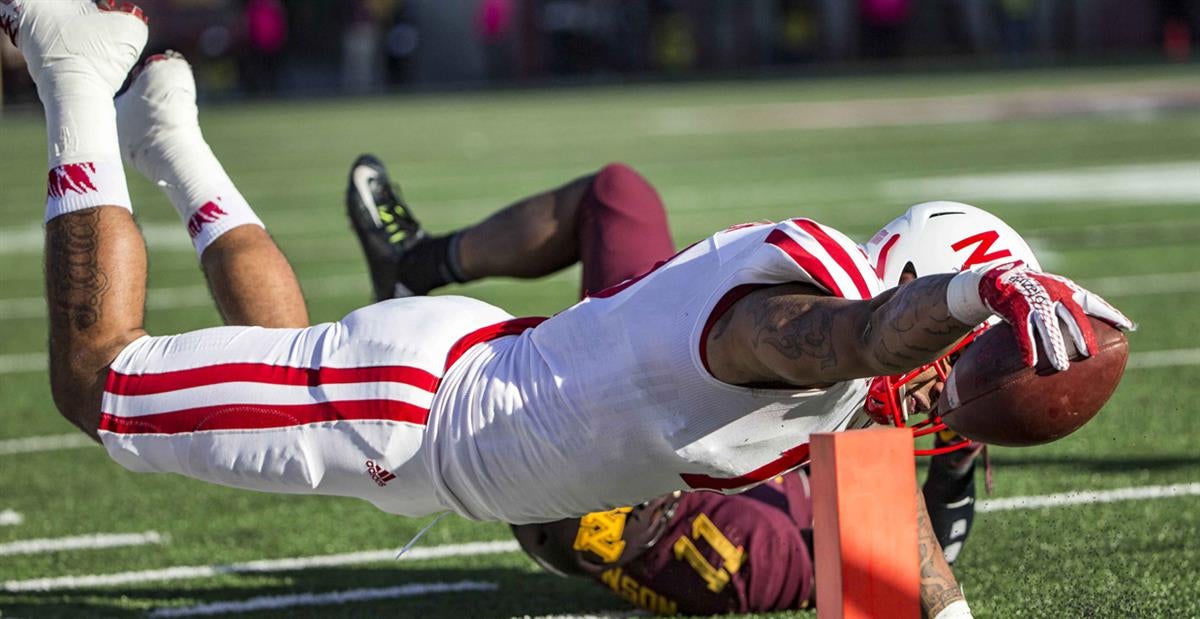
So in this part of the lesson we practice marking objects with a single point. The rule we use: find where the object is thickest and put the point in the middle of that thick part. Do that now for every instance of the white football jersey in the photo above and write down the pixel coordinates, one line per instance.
(611, 403)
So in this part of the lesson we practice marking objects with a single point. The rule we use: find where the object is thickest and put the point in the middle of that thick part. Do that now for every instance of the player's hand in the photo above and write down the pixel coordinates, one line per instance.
(1034, 303)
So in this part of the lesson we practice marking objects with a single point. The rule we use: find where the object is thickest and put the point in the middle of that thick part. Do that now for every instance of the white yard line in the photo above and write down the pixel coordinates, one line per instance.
(10, 518)
(1085, 497)
(1150, 283)
(21, 363)
(1164, 358)
(267, 565)
(195, 296)
(1089, 497)
(37, 444)
(1176, 182)
(276, 602)
(1133, 99)
(80, 542)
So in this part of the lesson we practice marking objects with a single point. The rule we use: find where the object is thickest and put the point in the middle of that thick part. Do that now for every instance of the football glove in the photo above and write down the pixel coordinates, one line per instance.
(1033, 303)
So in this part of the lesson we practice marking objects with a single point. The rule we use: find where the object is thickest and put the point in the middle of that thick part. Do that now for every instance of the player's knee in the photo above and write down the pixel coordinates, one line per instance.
(77, 379)
(76, 395)
(619, 187)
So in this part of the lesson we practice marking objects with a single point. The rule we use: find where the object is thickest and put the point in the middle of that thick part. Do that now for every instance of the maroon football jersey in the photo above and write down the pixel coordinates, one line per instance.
(740, 553)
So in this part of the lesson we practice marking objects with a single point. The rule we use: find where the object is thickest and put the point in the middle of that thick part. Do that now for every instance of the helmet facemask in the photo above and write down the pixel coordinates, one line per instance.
(888, 398)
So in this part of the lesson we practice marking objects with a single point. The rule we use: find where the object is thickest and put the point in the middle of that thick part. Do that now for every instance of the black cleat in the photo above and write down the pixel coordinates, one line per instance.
(385, 226)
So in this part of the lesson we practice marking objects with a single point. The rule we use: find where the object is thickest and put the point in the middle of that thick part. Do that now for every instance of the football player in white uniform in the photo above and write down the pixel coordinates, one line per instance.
(709, 372)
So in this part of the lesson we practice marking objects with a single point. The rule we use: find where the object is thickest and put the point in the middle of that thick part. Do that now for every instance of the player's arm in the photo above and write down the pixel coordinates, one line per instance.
(794, 334)
(797, 335)
(941, 597)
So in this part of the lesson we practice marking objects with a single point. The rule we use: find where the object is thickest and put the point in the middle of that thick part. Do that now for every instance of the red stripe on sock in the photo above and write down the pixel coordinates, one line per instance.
(259, 416)
(162, 382)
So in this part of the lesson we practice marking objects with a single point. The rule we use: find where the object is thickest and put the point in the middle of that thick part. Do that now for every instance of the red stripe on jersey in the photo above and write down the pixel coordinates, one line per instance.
(838, 253)
(261, 416)
(787, 461)
(516, 326)
(810, 264)
(162, 382)
(732, 296)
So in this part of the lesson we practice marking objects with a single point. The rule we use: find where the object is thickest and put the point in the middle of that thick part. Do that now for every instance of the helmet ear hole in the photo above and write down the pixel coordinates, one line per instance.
(908, 274)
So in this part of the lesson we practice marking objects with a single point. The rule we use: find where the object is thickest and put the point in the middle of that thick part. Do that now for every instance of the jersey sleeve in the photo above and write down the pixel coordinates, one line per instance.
(802, 250)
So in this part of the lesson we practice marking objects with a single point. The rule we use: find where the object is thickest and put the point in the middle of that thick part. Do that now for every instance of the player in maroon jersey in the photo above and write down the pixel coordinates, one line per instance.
(692, 553)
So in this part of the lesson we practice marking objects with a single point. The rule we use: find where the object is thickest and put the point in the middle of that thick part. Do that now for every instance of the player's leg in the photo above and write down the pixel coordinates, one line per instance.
(250, 279)
(612, 221)
(78, 53)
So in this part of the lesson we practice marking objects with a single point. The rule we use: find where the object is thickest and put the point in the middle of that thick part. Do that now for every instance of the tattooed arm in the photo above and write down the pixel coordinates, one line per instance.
(794, 334)
(939, 589)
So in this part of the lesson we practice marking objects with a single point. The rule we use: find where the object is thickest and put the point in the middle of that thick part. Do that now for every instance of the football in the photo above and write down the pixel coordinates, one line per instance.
(991, 396)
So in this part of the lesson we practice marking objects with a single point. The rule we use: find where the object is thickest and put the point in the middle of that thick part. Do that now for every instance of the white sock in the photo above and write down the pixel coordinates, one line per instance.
(84, 159)
(207, 201)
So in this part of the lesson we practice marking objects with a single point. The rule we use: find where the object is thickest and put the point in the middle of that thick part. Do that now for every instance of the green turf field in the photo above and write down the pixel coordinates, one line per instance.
(1114, 207)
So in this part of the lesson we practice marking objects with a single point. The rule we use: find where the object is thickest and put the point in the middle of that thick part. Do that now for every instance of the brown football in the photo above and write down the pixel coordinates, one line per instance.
(991, 396)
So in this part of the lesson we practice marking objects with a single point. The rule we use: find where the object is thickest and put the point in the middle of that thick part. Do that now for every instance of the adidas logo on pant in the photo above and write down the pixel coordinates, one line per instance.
(379, 474)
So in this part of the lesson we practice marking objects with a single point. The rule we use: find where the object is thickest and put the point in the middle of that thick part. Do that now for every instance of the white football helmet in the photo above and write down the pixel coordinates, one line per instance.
(935, 237)
(943, 237)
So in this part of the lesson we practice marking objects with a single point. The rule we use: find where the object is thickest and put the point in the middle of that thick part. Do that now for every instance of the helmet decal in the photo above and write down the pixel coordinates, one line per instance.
(983, 243)
(881, 263)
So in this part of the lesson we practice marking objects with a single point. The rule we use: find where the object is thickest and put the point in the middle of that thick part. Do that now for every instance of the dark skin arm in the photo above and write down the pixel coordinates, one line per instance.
(939, 589)
(792, 334)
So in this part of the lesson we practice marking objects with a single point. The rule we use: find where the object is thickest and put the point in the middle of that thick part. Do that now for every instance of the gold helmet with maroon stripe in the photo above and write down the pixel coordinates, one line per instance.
(932, 238)
(598, 541)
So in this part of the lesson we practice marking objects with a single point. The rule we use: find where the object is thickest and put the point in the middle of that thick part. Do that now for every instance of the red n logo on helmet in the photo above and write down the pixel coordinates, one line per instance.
(982, 253)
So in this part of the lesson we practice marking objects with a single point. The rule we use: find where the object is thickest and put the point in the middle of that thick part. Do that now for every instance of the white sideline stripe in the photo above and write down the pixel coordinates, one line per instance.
(80, 542)
(497, 547)
(276, 602)
(29, 239)
(1151, 283)
(1089, 497)
(35, 444)
(1175, 182)
(195, 296)
(268, 565)
(10, 518)
(24, 362)
(1164, 358)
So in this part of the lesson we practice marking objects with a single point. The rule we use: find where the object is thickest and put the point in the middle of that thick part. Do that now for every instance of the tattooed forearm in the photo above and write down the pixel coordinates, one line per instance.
(938, 587)
(74, 279)
(913, 325)
(796, 331)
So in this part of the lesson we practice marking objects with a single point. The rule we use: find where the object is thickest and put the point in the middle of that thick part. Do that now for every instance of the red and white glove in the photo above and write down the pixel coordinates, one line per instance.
(1033, 303)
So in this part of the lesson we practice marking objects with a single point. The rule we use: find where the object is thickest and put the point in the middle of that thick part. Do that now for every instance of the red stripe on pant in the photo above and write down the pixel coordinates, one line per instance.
(162, 382)
(263, 416)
